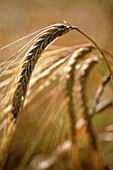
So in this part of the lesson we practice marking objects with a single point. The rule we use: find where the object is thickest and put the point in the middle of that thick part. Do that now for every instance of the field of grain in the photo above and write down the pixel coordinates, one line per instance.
(56, 87)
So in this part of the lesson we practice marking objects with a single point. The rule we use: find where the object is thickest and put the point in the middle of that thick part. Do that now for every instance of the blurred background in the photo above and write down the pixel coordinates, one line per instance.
(19, 18)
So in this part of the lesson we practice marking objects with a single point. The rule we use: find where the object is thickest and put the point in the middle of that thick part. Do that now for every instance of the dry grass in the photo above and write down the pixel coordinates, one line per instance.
(51, 103)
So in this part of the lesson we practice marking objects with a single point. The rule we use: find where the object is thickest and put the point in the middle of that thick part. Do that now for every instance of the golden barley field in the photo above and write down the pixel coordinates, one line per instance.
(56, 85)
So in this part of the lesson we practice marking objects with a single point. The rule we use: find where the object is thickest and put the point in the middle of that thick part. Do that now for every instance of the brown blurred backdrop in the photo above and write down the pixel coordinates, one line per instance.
(21, 17)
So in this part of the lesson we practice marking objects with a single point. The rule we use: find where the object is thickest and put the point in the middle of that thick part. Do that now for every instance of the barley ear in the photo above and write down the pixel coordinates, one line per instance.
(70, 80)
(22, 79)
(82, 74)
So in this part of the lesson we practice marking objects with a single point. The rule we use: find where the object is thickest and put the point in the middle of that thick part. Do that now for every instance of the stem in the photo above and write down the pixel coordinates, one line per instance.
(110, 70)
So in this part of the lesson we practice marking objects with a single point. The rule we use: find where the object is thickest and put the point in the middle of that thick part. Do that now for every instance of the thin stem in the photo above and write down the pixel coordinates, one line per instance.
(110, 70)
